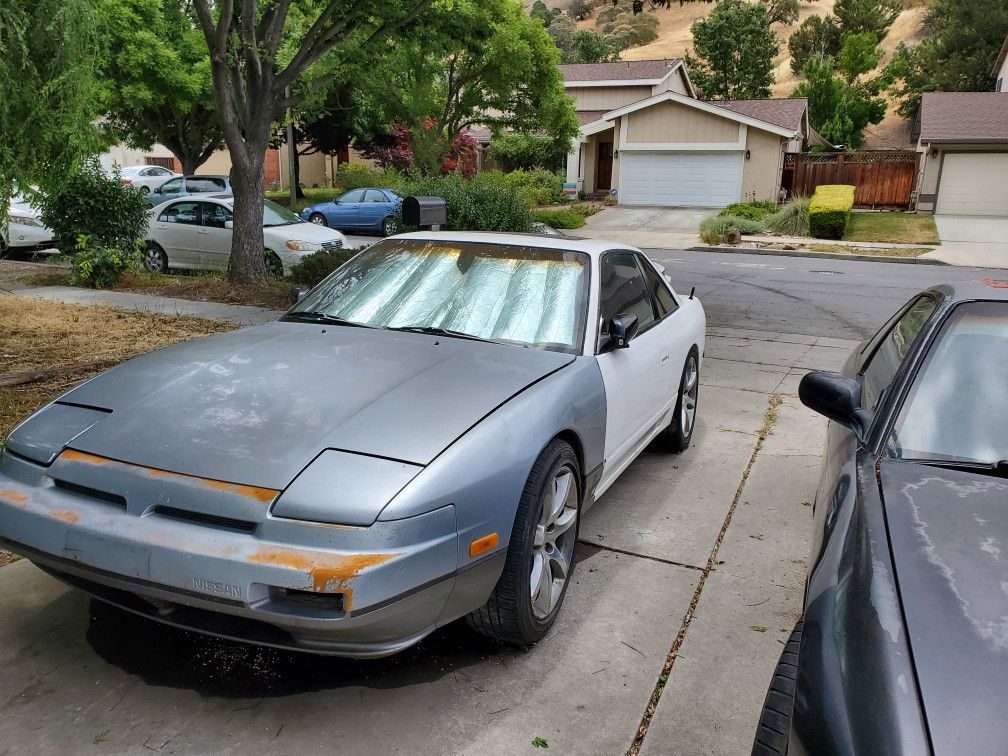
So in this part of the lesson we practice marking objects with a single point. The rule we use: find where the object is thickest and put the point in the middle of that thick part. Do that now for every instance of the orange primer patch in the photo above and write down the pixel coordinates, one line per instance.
(65, 515)
(328, 574)
(14, 497)
(262, 495)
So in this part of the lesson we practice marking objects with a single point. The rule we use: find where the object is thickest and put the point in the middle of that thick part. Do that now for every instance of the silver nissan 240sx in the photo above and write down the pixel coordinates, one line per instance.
(415, 441)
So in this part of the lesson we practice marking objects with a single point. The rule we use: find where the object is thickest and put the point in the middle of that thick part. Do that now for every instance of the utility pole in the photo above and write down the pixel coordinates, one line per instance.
(291, 154)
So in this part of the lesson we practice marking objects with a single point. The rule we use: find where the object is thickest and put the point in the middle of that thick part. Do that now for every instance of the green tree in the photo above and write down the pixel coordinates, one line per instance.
(816, 37)
(260, 51)
(735, 50)
(960, 47)
(872, 16)
(582, 45)
(544, 14)
(50, 52)
(626, 24)
(159, 88)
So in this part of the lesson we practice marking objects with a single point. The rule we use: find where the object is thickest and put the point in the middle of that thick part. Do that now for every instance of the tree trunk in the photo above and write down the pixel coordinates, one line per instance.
(247, 263)
(297, 173)
(189, 164)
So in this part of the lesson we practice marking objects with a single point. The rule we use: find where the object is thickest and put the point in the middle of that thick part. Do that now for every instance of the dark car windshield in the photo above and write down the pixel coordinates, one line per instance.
(957, 408)
(518, 294)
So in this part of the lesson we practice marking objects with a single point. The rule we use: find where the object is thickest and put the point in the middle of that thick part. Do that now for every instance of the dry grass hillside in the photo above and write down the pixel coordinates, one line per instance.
(675, 40)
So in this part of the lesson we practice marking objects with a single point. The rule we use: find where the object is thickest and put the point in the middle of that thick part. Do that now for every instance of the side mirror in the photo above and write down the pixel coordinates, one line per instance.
(836, 397)
(228, 224)
(297, 293)
(622, 328)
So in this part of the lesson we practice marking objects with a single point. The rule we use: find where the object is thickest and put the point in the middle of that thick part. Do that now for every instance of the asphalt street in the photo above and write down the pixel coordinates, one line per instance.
(815, 297)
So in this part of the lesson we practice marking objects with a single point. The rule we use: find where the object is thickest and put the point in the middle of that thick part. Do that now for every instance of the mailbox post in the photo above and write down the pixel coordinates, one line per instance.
(424, 212)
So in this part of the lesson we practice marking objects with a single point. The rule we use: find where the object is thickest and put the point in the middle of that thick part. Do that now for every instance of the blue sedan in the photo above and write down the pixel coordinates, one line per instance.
(367, 209)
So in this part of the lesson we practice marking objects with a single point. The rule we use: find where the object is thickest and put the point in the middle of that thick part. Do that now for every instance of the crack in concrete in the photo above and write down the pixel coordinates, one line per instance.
(770, 417)
(603, 547)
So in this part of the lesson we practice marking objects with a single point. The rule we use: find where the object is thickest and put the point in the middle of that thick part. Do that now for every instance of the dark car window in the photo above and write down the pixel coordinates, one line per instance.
(172, 185)
(622, 290)
(356, 195)
(201, 184)
(883, 364)
(214, 215)
(375, 195)
(182, 212)
(660, 294)
(956, 409)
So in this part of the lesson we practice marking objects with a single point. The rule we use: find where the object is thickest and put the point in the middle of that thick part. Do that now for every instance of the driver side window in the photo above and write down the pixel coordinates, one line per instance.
(878, 373)
(622, 289)
(355, 196)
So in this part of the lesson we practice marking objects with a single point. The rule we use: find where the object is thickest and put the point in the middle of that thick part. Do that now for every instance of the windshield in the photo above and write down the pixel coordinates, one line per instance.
(956, 409)
(524, 295)
(275, 215)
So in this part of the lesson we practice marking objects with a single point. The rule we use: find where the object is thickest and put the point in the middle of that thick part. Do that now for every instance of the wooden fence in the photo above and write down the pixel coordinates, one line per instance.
(881, 178)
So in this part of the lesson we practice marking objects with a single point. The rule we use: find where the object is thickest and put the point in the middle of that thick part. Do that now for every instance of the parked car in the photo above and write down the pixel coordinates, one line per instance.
(415, 441)
(367, 209)
(146, 177)
(182, 186)
(903, 644)
(190, 233)
(24, 230)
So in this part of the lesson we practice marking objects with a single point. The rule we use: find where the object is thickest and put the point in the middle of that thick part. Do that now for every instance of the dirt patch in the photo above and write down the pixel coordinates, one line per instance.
(874, 251)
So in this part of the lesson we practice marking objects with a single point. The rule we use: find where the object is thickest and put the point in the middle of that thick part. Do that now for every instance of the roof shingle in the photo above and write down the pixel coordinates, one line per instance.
(623, 70)
(786, 112)
(964, 117)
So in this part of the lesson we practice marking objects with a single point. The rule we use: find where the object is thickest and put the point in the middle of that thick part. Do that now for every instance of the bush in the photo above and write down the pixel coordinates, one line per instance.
(98, 207)
(587, 209)
(750, 210)
(536, 187)
(316, 266)
(512, 151)
(830, 210)
(99, 265)
(484, 203)
(563, 217)
(791, 219)
(355, 175)
(715, 230)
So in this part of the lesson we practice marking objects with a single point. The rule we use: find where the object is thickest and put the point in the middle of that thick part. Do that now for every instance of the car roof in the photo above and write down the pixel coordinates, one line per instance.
(593, 247)
(992, 288)
(377, 188)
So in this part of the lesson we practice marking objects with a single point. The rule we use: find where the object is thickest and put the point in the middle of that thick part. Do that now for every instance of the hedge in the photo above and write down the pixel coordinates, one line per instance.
(561, 217)
(715, 230)
(750, 210)
(830, 210)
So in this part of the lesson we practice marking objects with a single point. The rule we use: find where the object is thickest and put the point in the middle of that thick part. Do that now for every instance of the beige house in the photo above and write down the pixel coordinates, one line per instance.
(645, 135)
(1001, 69)
(963, 141)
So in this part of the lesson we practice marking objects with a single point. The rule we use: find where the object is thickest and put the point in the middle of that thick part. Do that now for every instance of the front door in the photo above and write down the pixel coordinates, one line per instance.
(603, 167)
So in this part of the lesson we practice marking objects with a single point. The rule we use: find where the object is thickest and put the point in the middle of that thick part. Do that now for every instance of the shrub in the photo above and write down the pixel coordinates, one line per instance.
(563, 217)
(98, 207)
(355, 175)
(750, 210)
(791, 218)
(587, 209)
(715, 230)
(830, 210)
(99, 265)
(316, 266)
(536, 187)
(484, 203)
(513, 151)
(311, 196)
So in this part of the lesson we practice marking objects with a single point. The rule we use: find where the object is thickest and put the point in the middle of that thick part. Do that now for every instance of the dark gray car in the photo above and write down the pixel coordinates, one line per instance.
(903, 645)
(181, 186)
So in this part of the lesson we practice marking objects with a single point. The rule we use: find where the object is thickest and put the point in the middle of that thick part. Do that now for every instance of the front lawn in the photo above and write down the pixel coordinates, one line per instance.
(892, 228)
(312, 197)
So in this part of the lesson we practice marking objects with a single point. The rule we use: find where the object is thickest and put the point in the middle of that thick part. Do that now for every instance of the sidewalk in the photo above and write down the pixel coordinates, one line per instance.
(239, 314)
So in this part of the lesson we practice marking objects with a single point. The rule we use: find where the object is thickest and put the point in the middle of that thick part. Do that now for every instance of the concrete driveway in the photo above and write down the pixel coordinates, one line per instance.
(651, 227)
(972, 240)
(689, 581)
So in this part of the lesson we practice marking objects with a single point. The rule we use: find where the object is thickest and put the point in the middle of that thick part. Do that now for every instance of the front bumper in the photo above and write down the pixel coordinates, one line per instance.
(362, 592)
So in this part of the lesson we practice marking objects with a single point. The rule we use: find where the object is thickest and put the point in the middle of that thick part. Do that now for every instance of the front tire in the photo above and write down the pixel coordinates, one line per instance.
(155, 259)
(540, 557)
(274, 268)
(318, 219)
(775, 719)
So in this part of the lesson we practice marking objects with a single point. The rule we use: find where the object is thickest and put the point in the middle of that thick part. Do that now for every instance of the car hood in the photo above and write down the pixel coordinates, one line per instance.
(949, 534)
(310, 232)
(255, 406)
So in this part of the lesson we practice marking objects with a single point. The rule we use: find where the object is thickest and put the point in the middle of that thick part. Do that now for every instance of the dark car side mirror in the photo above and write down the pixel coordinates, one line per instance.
(622, 328)
(297, 293)
(837, 397)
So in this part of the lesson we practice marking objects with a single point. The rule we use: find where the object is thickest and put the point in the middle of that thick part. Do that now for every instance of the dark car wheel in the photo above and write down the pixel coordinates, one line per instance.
(274, 268)
(775, 719)
(540, 556)
(389, 226)
(155, 259)
(318, 219)
(679, 434)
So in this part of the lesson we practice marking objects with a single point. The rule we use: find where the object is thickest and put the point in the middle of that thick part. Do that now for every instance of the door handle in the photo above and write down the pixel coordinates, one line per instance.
(664, 357)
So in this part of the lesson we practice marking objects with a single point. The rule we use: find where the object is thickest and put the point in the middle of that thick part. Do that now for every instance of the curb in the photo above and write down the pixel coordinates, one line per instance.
(819, 255)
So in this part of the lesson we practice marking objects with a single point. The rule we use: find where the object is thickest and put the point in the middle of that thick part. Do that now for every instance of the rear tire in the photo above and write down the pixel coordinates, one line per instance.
(678, 436)
(155, 259)
(527, 599)
(388, 226)
(775, 720)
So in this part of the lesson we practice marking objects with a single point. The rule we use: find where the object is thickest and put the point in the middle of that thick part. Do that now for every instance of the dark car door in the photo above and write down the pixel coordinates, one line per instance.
(170, 189)
(344, 212)
(374, 208)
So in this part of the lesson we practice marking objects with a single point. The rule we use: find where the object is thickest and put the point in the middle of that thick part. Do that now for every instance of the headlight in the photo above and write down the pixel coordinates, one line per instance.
(303, 246)
(26, 220)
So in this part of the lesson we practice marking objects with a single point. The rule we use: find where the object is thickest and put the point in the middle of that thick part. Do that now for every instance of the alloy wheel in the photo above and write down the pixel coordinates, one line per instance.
(691, 387)
(153, 261)
(553, 547)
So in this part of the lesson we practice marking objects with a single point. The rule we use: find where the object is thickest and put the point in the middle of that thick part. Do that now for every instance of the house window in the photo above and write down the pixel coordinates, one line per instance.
(1000, 85)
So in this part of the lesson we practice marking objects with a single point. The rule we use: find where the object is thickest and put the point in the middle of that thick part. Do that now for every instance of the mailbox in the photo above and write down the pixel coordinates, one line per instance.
(424, 212)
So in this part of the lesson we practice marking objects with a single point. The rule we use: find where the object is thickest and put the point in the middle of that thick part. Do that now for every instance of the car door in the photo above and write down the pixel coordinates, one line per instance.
(373, 209)
(177, 230)
(634, 377)
(214, 236)
(170, 189)
(344, 211)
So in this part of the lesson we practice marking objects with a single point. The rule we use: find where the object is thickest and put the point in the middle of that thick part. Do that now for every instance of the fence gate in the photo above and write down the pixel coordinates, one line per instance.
(881, 178)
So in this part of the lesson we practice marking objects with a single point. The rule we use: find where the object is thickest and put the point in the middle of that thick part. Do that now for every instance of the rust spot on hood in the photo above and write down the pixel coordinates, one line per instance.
(65, 515)
(262, 495)
(14, 497)
(328, 574)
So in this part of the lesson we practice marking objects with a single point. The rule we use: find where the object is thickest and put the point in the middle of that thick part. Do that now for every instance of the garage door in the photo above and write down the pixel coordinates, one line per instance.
(973, 183)
(680, 179)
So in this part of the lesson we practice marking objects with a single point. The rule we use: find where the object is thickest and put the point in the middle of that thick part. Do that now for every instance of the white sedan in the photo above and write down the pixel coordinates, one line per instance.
(146, 178)
(196, 233)
(25, 231)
